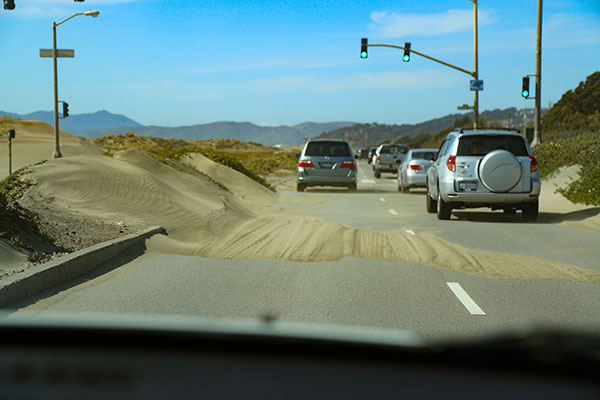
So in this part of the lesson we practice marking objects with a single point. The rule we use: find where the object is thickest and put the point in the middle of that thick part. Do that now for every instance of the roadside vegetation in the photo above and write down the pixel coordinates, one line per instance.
(254, 160)
(582, 150)
(17, 222)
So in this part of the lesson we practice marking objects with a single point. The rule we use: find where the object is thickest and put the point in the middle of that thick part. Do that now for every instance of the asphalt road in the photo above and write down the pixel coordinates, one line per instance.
(430, 301)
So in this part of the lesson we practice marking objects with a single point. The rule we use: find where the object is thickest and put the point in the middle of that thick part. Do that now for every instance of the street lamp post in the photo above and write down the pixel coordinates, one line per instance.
(94, 13)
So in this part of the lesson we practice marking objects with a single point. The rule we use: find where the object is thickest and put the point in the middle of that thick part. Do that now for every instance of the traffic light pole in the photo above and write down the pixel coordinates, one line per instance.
(57, 153)
(476, 68)
(537, 122)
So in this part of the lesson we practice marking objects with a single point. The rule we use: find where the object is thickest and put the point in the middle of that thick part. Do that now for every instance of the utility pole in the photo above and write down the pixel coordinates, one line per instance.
(57, 153)
(475, 70)
(537, 134)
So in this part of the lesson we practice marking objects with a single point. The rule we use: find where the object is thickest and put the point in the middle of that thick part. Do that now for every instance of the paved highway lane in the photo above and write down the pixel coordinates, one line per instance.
(354, 291)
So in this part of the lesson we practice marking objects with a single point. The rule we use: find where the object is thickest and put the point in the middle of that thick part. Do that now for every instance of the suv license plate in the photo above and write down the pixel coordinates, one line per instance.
(467, 186)
(326, 164)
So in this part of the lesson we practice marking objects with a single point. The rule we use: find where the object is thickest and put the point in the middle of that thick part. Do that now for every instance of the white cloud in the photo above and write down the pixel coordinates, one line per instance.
(392, 80)
(392, 25)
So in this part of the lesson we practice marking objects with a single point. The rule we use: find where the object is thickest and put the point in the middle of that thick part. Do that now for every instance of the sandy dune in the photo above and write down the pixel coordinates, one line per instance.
(562, 210)
(34, 142)
(213, 211)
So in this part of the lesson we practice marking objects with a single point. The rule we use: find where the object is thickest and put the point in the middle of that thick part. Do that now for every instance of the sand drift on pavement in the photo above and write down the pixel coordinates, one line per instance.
(213, 211)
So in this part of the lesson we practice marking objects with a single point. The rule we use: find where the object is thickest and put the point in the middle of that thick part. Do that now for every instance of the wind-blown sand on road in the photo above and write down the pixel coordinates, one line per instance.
(246, 221)
(204, 220)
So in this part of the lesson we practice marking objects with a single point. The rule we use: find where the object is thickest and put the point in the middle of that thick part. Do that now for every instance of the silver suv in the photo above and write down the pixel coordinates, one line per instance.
(484, 168)
(388, 157)
(326, 162)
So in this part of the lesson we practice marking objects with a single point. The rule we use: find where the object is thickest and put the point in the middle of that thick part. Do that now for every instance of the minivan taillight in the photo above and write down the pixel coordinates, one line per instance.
(348, 164)
(451, 163)
(534, 164)
(306, 164)
(378, 157)
(413, 167)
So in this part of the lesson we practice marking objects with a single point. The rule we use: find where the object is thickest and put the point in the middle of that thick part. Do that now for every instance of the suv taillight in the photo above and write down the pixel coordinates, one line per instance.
(348, 164)
(534, 164)
(451, 163)
(378, 157)
(413, 167)
(306, 164)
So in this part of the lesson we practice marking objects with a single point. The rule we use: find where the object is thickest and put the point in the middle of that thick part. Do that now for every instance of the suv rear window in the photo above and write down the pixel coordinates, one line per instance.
(480, 145)
(332, 149)
(393, 150)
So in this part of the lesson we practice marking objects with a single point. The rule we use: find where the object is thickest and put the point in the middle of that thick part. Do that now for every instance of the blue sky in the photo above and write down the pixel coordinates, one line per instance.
(284, 62)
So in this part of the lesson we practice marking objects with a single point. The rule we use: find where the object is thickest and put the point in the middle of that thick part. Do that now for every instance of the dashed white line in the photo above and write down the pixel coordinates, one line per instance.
(464, 298)
(392, 211)
(382, 199)
(367, 181)
(411, 232)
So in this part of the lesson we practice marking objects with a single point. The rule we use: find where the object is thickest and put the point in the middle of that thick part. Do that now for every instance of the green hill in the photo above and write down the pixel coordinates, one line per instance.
(577, 111)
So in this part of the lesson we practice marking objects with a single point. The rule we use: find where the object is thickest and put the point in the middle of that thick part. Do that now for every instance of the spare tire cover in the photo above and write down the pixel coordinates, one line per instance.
(500, 171)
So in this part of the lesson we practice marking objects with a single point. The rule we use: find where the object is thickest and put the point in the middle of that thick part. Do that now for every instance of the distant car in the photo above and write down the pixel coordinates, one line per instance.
(388, 157)
(326, 162)
(413, 170)
(484, 168)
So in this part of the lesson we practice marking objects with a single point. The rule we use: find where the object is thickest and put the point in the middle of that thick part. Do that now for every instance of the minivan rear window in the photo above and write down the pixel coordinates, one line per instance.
(480, 145)
(331, 149)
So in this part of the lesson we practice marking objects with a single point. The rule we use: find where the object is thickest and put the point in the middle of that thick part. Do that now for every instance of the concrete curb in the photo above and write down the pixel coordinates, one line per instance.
(43, 276)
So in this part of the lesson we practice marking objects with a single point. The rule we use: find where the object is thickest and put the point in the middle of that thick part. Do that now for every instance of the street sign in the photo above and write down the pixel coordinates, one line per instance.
(70, 53)
(476, 85)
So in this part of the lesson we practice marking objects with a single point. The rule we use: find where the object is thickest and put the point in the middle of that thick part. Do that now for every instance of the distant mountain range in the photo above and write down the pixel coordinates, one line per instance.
(246, 131)
(77, 123)
(104, 123)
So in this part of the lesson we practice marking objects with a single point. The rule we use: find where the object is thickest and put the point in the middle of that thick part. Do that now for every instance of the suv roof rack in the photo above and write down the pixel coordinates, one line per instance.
(461, 130)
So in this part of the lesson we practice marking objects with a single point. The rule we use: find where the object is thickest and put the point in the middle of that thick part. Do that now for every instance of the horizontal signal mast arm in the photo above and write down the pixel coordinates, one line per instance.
(426, 56)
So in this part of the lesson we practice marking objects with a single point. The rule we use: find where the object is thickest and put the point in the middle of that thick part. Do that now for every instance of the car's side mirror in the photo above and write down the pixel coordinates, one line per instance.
(298, 155)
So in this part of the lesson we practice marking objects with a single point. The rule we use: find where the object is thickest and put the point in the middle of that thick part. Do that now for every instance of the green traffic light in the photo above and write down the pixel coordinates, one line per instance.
(525, 93)
(406, 58)
(363, 54)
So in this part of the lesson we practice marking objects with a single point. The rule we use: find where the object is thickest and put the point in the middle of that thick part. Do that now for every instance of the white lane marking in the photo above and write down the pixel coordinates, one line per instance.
(367, 181)
(410, 231)
(382, 199)
(392, 211)
(464, 298)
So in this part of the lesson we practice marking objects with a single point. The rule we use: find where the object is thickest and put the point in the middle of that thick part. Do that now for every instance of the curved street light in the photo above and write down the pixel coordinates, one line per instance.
(91, 13)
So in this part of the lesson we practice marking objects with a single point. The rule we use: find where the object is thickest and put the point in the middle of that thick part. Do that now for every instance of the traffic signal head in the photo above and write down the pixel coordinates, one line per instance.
(406, 56)
(363, 48)
(525, 90)
(9, 4)
(65, 109)
(11, 133)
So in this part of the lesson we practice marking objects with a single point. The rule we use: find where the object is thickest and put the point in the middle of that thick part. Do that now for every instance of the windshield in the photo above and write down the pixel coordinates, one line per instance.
(423, 155)
(168, 158)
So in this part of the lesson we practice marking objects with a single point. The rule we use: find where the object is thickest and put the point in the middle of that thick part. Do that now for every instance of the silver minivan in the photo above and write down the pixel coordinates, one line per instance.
(326, 162)
(484, 168)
